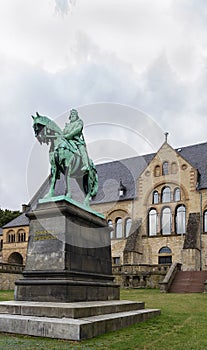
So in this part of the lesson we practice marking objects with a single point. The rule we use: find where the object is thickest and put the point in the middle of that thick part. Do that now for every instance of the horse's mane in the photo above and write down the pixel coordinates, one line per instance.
(45, 121)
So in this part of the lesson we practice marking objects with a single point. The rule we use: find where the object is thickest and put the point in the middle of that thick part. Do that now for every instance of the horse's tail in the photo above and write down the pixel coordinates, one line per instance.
(90, 181)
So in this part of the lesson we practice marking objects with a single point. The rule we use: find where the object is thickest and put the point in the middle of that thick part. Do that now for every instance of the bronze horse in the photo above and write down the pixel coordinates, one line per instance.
(65, 158)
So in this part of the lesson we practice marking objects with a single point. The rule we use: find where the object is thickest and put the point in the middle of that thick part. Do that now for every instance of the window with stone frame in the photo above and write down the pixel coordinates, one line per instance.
(111, 226)
(165, 255)
(118, 228)
(166, 194)
(180, 219)
(166, 221)
(177, 194)
(155, 197)
(165, 168)
(128, 224)
(21, 236)
(116, 260)
(152, 222)
(205, 221)
(10, 237)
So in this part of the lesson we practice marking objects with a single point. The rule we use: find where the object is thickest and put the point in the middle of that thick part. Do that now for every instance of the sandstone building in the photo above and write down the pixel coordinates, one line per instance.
(156, 206)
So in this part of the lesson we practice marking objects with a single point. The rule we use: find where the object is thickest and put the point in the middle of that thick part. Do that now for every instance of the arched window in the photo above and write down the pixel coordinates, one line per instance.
(10, 237)
(177, 194)
(157, 171)
(165, 250)
(152, 222)
(110, 224)
(166, 221)
(205, 221)
(118, 229)
(21, 236)
(128, 224)
(165, 168)
(165, 256)
(166, 194)
(180, 214)
(174, 168)
(155, 197)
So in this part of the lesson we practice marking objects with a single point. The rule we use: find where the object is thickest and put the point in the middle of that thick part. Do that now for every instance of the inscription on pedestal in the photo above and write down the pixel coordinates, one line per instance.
(44, 235)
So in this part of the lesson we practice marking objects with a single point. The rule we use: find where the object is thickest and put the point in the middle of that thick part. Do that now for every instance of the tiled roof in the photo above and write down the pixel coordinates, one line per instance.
(197, 156)
(128, 170)
(21, 220)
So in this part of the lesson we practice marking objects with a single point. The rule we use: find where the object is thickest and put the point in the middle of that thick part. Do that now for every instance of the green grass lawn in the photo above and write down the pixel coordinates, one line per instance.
(181, 326)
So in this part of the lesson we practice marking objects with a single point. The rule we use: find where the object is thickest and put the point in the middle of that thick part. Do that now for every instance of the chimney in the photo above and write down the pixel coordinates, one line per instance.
(25, 207)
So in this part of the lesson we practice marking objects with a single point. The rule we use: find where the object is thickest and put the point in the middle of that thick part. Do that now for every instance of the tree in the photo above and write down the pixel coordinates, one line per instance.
(7, 215)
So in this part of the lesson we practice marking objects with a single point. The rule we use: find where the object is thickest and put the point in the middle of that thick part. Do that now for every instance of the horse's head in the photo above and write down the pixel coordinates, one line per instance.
(44, 128)
(40, 128)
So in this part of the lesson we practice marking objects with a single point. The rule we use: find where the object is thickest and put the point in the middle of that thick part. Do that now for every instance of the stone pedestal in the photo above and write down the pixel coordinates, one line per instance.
(67, 290)
(68, 257)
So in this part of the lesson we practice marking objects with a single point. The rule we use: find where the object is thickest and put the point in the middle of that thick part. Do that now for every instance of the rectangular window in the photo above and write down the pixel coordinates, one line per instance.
(116, 260)
(165, 260)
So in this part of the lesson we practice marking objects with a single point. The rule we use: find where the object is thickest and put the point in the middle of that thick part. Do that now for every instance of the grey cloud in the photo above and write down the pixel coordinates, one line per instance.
(96, 77)
(64, 6)
(163, 88)
(193, 12)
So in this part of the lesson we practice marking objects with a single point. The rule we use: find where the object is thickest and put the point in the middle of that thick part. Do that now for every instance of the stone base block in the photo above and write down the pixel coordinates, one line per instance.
(69, 310)
(67, 291)
(68, 255)
(59, 321)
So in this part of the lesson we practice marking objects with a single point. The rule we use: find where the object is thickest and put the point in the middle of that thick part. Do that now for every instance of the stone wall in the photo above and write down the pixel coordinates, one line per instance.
(8, 275)
(140, 275)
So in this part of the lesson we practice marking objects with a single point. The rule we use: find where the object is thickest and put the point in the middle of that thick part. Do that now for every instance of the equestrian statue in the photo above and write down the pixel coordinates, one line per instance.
(68, 154)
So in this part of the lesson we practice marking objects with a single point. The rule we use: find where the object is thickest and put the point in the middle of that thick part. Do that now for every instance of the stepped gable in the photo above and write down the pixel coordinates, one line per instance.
(192, 231)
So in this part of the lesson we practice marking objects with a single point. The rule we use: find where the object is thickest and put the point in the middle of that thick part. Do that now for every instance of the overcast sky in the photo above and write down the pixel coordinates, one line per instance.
(110, 59)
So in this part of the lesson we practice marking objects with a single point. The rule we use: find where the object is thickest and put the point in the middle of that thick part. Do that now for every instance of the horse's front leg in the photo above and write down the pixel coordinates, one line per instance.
(51, 192)
(67, 181)
(53, 183)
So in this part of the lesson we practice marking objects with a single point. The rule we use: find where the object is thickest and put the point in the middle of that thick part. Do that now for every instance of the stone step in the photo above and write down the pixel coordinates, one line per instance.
(69, 310)
(189, 282)
(70, 328)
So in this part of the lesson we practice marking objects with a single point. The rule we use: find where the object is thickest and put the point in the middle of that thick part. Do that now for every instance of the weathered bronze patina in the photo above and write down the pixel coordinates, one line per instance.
(68, 154)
